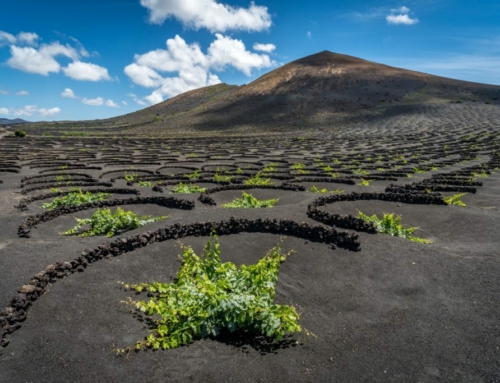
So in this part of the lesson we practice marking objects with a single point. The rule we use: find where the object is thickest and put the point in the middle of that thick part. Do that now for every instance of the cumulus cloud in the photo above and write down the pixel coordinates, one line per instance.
(98, 101)
(209, 14)
(124, 103)
(23, 93)
(264, 47)
(29, 38)
(86, 72)
(194, 68)
(40, 61)
(112, 104)
(68, 93)
(29, 111)
(400, 16)
(6, 38)
(49, 112)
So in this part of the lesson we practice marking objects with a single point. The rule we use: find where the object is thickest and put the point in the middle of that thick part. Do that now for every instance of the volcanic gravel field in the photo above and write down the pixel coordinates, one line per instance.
(376, 308)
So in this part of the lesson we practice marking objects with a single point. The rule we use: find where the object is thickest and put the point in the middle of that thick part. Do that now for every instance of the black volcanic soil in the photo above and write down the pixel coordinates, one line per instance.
(395, 311)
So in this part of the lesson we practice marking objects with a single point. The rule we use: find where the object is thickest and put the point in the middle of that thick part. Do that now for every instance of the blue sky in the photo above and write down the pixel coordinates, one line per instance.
(71, 60)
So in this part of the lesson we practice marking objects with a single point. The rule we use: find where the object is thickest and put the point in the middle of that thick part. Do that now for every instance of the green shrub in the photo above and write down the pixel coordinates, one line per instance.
(208, 297)
(360, 172)
(77, 197)
(103, 221)
(146, 184)
(298, 166)
(257, 181)
(130, 176)
(392, 226)
(20, 133)
(187, 188)
(365, 182)
(222, 178)
(455, 200)
(248, 201)
(194, 175)
(314, 189)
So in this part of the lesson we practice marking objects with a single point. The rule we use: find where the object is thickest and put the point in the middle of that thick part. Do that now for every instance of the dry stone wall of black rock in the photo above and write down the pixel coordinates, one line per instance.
(355, 223)
(169, 202)
(23, 205)
(65, 174)
(207, 200)
(66, 184)
(17, 310)
(127, 171)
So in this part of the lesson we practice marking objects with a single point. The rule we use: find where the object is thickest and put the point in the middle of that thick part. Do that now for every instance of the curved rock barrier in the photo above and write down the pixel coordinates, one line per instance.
(207, 200)
(23, 205)
(17, 310)
(169, 202)
(66, 184)
(345, 181)
(355, 223)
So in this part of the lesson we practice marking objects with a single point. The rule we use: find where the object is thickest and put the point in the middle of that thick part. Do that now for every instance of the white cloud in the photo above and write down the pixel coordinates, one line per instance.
(209, 14)
(6, 38)
(49, 112)
(309, 34)
(401, 18)
(42, 60)
(93, 101)
(86, 72)
(143, 76)
(264, 47)
(68, 93)
(112, 104)
(22, 93)
(30, 110)
(403, 9)
(39, 61)
(28, 38)
(227, 51)
(4, 92)
(192, 66)
(124, 103)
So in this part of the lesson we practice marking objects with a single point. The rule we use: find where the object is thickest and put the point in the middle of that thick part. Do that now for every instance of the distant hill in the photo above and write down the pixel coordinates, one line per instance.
(319, 91)
(6, 121)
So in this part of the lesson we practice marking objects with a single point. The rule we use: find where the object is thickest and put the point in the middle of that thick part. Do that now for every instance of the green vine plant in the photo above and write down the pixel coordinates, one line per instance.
(130, 176)
(222, 178)
(104, 222)
(455, 200)
(182, 188)
(360, 172)
(391, 225)
(248, 201)
(256, 180)
(194, 175)
(314, 189)
(365, 182)
(208, 297)
(146, 184)
(77, 197)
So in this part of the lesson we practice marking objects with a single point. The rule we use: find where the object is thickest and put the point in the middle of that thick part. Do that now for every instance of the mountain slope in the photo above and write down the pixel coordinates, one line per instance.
(6, 121)
(319, 91)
